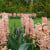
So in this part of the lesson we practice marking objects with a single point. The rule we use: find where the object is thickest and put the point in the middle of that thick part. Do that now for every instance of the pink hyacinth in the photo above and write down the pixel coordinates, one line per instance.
(5, 22)
(31, 25)
(27, 27)
(9, 14)
(3, 38)
(41, 33)
(24, 19)
(14, 14)
(3, 30)
(30, 14)
(49, 25)
(5, 48)
(34, 15)
(18, 14)
(25, 15)
(44, 20)
(24, 34)
(45, 28)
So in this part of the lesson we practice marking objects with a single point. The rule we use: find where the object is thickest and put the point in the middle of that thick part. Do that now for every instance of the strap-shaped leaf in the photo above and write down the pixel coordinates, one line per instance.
(12, 43)
(25, 46)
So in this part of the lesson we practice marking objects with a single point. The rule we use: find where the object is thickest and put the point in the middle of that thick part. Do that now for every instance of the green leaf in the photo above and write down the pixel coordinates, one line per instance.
(20, 38)
(25, 46)
(12, 43)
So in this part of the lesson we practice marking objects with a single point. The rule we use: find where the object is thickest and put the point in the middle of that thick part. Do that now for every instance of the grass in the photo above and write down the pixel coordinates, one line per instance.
(18, 22)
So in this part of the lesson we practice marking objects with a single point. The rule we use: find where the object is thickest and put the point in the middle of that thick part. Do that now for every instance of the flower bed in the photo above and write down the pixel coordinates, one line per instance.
(28, 37)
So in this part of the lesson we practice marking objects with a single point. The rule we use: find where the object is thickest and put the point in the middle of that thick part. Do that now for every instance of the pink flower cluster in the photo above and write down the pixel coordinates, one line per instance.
(29, 15)
(5, 23)
(28, 24)
(19, 14)
(9, 14)
(3, 30)
(41, 32)
(5, 48)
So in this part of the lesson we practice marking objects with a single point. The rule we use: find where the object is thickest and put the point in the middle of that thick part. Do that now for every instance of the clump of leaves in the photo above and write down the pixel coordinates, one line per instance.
(13, 38)
(16, 41)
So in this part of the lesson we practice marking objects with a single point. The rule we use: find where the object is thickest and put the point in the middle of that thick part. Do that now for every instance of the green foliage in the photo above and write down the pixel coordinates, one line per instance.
(24, 6)
(25, 46)
(27, 40)
(12, 43)
(13, 38)
(16, 41)
(39, 15)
